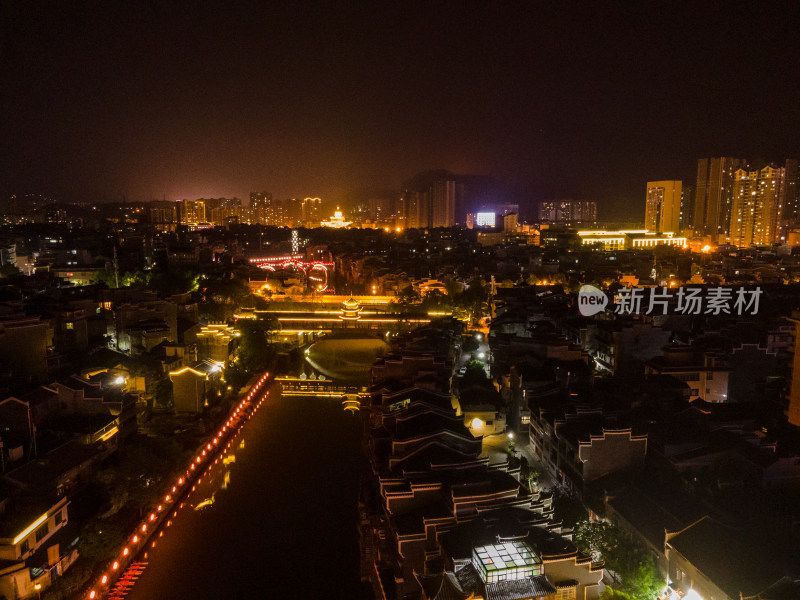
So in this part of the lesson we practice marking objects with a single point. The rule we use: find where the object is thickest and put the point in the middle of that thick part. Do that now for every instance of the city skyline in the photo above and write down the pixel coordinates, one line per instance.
(170, 102)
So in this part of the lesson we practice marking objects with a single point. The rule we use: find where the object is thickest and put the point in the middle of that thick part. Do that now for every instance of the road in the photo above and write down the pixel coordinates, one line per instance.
(276, 518)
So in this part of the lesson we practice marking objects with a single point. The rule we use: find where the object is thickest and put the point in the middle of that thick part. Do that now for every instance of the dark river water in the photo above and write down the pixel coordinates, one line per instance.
(285, 523)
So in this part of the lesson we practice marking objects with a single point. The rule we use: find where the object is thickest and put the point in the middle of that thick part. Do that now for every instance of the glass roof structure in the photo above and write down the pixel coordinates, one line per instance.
(506, 561)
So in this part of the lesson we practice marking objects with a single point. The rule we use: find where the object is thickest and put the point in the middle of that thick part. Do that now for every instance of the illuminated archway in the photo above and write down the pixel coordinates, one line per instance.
(318, 277)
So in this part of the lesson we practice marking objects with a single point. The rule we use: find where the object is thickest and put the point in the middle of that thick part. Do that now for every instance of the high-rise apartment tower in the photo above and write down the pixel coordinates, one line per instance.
(663, 206)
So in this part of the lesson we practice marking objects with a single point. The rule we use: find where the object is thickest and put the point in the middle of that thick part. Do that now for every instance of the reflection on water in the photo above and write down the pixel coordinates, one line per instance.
(206, 503)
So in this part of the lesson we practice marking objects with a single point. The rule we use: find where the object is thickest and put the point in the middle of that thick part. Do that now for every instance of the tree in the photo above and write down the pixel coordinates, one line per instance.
(9, 270)
(612, 594)
(435, 300)
(255, 352)
(471, 345)
(162, 392)
(407, 298)
(475, 375)
(640, 577)
(474, 300)
(140, 464)
(635, 566)
(568, 510)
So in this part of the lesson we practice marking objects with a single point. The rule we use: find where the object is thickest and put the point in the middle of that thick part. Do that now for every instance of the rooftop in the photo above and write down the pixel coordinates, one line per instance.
(508, 555)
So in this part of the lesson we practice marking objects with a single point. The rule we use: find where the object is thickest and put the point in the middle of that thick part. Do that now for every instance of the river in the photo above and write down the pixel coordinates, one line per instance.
(277, 521)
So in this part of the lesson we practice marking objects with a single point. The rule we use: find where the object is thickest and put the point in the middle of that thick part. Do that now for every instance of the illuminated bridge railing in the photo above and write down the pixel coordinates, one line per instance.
(292, 386)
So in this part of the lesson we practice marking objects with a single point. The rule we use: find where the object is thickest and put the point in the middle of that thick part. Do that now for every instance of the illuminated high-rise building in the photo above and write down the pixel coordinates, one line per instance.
(443, 203)
(663, 206)
(789, 210)
(311, 212)
(713, 197)
(568, 211)
(430, 200)
(755, 207)
(163, 215)
(413, 210)
(380, 209)
(687, 207)
(192, 212)
(259, 206)
(222, 211)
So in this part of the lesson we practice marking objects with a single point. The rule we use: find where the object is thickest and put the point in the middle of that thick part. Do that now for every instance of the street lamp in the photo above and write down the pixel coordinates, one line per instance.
(38, 588)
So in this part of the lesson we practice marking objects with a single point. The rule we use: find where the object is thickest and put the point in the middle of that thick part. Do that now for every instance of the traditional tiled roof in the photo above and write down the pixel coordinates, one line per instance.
(519, 589)
(787, 588)
(647, 516)
(727, 557)
(423, 423)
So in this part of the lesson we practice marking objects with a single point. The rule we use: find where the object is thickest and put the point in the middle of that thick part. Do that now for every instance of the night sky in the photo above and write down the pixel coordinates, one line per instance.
(585, 100)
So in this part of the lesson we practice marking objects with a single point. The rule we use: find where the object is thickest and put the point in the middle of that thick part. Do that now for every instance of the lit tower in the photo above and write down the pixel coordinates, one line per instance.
(351, 312)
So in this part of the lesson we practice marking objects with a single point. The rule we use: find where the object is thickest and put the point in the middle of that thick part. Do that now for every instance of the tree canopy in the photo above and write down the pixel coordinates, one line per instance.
(635, 566)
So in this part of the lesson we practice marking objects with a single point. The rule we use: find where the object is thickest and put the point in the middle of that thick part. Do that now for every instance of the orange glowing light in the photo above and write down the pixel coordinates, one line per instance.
(125, 552)
(104, 579)
(135, 539)
(115, 566)
(92, 594)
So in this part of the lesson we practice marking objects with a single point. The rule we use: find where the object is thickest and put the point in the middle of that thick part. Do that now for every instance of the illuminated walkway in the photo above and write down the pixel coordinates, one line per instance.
(278, 520)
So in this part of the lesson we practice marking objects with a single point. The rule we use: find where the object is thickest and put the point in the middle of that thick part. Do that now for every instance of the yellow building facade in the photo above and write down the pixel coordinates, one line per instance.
(755, 207)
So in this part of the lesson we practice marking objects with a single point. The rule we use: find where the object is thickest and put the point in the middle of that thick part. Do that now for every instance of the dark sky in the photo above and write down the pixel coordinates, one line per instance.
(587, 100)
